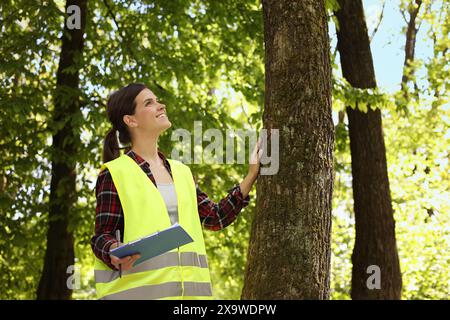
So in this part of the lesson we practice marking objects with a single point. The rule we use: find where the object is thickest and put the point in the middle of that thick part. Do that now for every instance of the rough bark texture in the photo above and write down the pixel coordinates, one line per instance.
(60, 251)
(289, 250)
(375, 227)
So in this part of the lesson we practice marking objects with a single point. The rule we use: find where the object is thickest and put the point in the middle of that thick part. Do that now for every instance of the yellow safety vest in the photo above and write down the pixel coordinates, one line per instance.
(182, 273)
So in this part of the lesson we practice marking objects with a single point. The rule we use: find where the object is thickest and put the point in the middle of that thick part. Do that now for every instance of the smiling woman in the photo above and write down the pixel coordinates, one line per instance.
(140, 192)
(132, 110)
(149, 116)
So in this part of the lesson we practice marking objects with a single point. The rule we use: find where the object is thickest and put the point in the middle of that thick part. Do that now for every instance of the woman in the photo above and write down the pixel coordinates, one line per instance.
(141, 192)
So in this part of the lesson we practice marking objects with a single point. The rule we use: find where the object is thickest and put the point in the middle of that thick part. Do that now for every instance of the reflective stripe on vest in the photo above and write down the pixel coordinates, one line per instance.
(165, 290)
(182, 273)
(168, 259)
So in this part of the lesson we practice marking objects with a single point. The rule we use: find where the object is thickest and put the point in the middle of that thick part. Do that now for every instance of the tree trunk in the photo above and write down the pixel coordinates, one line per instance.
(60, 252)
(289, 250)
(375, 227)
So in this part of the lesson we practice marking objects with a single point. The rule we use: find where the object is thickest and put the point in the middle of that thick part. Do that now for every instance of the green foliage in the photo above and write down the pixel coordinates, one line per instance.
(360, 98)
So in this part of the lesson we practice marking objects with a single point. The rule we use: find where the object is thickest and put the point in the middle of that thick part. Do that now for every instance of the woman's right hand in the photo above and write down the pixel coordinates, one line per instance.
(126, 262)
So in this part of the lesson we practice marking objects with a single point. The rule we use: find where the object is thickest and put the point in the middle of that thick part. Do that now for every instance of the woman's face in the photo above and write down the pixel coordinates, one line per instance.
(149, 115)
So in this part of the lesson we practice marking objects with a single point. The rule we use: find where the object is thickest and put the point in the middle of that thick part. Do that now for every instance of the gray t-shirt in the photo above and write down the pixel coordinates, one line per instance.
(169, 195)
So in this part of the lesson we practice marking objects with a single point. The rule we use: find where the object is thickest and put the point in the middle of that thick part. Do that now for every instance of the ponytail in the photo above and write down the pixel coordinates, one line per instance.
(111, 148)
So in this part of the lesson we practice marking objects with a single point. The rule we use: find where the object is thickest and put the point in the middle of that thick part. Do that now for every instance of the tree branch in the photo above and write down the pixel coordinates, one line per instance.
(379, 22)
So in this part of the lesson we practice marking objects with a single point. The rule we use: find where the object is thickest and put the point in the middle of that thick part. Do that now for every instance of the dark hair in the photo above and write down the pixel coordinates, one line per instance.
(120, 103)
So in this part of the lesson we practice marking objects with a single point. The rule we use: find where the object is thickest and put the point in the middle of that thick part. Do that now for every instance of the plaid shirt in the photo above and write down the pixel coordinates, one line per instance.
(109, 215)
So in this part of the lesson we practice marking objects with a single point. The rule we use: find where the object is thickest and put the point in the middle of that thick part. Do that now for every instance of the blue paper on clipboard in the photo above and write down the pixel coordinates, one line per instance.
(154, 244)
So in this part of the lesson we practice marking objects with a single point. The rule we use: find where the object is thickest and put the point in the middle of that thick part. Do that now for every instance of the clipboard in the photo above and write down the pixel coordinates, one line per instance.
(155, 244)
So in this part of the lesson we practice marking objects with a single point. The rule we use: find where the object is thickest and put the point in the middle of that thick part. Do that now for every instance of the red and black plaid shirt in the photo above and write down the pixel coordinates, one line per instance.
(109, 215)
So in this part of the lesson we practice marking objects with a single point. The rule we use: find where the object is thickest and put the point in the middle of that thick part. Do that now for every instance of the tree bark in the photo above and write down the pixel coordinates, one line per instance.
(60, 251)
(375, 242)
(289, 250)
